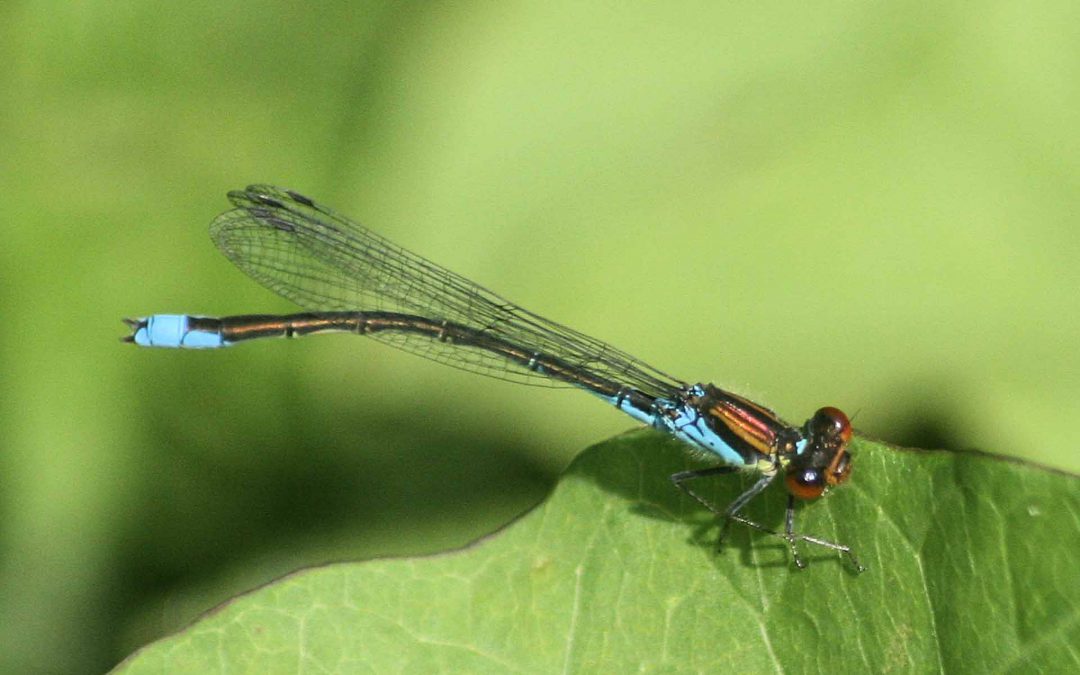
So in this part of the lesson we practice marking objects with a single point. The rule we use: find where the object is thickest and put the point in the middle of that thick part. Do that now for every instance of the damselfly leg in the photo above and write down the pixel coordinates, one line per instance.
(732, 514)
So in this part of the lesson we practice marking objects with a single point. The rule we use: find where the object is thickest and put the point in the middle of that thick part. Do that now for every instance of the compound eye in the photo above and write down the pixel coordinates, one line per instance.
(805, 483)
(830, 422)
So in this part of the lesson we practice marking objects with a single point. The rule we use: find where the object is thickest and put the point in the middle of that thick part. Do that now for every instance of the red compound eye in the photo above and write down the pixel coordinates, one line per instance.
(829, 423)
(808, 483)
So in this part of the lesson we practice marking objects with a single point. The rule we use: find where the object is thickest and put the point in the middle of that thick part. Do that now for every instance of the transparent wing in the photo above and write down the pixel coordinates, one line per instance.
(325, 262)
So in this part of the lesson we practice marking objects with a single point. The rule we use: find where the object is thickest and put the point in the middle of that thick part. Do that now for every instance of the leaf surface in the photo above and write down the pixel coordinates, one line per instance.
(972, 567)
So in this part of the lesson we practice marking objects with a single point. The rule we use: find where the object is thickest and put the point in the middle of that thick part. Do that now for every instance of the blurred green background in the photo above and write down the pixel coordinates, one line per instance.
(868, 206)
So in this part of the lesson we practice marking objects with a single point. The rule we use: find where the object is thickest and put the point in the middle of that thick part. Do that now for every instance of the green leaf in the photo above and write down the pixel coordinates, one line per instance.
(972, 567)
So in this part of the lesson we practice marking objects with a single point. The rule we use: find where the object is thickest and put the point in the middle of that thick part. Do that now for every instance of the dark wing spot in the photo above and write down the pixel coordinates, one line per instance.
(300, 198)
(267, 201)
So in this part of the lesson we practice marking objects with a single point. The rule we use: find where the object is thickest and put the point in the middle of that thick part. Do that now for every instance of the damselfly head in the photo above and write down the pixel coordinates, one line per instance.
(824, 461)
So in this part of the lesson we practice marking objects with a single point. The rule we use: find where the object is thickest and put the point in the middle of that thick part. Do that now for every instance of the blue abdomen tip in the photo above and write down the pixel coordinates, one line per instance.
(173, 331)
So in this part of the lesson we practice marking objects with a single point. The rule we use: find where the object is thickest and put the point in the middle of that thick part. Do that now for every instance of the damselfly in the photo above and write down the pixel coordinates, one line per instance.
(355, 281)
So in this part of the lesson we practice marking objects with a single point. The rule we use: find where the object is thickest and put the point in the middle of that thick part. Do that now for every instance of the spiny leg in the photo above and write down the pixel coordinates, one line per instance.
(789, 532)
(681, 478)
(792, 537)
(731, 512)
